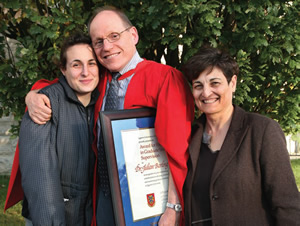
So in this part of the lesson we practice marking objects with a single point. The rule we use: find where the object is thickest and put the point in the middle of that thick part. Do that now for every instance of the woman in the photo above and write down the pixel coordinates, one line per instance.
(56, 159)
(239, 171)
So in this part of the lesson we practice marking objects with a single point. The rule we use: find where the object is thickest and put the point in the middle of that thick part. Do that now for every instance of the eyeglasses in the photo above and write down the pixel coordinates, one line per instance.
(112, 37)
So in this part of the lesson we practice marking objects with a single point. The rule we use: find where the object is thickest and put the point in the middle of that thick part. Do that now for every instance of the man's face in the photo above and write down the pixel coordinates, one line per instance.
(116, 55)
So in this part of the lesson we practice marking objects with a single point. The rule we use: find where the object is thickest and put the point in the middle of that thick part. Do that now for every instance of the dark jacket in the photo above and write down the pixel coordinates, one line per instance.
(252, 181)
(57, 161)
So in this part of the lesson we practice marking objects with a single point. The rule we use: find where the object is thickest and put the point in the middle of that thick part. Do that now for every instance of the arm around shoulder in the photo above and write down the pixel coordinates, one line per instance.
(38, 105)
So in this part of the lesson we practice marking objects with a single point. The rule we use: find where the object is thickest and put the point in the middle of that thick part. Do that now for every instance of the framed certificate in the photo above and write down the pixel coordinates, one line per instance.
(137, 166)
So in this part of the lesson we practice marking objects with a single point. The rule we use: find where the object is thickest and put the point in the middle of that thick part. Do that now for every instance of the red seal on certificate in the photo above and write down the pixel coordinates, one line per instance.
(151, 199)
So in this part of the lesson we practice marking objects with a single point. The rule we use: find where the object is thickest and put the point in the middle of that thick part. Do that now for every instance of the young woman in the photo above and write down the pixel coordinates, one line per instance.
(56, 159)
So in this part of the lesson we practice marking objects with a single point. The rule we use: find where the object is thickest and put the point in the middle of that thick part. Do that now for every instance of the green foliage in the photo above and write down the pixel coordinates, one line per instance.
(35, 31)
(263, 36)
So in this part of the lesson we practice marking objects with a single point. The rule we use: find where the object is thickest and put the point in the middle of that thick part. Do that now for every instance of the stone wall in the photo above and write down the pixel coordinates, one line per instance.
(7, 145)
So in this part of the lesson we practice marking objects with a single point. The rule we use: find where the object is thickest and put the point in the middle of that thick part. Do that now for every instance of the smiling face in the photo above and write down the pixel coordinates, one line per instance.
(114, 56)
(212, 92)
(81, 71)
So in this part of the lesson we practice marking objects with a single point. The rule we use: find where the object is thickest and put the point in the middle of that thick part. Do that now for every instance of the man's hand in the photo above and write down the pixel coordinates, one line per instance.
(169, 218)
(39, 107)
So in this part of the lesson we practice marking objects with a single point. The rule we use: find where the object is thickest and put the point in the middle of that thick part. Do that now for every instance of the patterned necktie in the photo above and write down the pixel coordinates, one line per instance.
(112, 102)
(112, 99)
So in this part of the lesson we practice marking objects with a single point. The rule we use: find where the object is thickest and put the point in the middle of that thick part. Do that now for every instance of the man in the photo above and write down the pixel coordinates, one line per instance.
(142, 83)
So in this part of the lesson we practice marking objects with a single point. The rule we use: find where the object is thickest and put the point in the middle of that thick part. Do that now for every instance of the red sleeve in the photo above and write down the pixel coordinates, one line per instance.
(101, 88)
(15, 191)
(174, 117)
(43, 83)
(165, 88)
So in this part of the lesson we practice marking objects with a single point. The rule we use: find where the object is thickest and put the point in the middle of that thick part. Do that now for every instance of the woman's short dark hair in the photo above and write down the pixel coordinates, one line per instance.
(208, 57)
(74, 39)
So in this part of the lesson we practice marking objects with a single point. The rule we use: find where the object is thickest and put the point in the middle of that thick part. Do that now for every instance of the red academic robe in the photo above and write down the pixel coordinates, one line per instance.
(157, 86)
